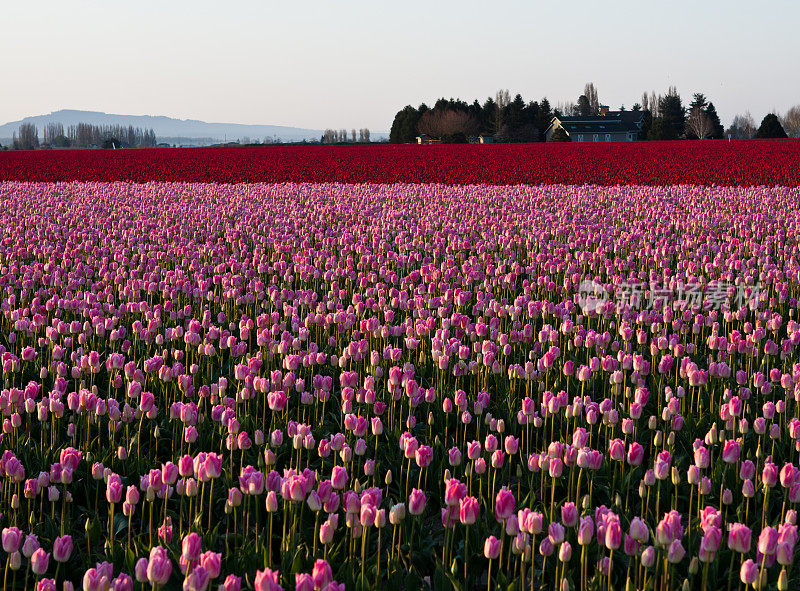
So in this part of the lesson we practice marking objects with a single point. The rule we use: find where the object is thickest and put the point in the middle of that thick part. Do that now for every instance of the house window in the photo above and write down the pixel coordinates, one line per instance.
(595, 137)
(580, 137)
(608, 137)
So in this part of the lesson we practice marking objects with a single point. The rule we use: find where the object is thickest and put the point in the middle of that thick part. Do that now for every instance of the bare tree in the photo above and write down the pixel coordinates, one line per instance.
(502, 98)
(650, 102)
(566, 108)
(742, 127)
(699, 123)
(27, 138)
(353, 135)
(439, 123)
(366, 134)
(51, 131)
(591, 94)
(791, 122)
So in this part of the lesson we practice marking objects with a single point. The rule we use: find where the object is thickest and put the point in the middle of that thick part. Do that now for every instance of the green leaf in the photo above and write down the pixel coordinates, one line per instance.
(120, 523)
(413, 581)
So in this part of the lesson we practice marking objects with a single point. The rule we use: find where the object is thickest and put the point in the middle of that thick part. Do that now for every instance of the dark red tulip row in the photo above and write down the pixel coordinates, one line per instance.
(731, 163)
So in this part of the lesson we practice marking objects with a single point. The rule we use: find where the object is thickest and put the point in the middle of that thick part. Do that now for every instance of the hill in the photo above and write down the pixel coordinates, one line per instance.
(192, 131)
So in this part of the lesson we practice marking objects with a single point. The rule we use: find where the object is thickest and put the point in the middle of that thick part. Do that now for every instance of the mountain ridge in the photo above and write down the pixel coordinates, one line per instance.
(171, 127)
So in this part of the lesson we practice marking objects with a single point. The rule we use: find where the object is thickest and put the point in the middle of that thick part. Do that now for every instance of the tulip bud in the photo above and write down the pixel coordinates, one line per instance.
(694, 566)
(783, 580)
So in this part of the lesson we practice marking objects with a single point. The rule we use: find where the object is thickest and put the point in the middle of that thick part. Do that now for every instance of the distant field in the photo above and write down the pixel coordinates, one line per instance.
(736, 163)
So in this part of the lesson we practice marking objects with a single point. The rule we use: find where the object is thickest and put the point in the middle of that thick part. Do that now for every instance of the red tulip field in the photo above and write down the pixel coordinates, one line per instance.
(732, 163)
(516, 367)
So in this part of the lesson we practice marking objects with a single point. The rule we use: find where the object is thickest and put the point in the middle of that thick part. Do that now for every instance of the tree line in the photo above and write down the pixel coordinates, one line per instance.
(665, 117)
(453, 120)
(339, 136)
(82, 135)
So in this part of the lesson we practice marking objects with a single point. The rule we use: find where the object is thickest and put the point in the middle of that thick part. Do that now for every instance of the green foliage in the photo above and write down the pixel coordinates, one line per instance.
(718, 129)
(583, 108)
(771, 128)
(518, 122)
(559, 135)
(404, 126)
(454, 138)
(673, 113)
(660, 129)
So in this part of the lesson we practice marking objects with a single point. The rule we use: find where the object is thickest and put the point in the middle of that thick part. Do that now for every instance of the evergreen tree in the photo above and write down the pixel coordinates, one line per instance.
(647, 123)
(673, 113)
(698, 101)
(583, 108)
(512, 115)
(489, 115)
(716, 124)
(559, 135)
(771, 128)
(404, 126)
(661, 129)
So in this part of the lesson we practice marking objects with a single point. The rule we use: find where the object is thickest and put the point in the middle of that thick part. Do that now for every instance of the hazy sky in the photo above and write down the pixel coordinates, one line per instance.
(347, 64)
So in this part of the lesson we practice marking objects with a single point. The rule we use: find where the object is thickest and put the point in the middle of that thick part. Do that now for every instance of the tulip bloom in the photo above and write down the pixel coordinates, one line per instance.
(62, 548)
(491, 548)
(416, 502)
(504, 504)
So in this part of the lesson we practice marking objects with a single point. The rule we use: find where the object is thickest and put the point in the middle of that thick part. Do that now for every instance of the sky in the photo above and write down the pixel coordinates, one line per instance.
(353, 64)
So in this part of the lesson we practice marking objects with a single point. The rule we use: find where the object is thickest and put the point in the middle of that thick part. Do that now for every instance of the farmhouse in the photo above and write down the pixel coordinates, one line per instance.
(609, 126)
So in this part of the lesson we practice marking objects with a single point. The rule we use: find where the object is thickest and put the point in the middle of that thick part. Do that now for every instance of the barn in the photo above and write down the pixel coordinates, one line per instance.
(608, 126)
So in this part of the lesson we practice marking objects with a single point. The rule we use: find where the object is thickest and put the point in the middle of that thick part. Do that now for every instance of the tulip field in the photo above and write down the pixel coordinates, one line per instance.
(400, 385)
(729, 163)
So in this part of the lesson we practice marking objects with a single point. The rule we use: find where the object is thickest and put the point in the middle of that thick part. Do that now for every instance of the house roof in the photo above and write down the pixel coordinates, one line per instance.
(613, 122)
(589, 127)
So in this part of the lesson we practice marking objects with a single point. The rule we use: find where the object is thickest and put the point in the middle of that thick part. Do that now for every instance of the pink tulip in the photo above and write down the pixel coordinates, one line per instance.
(322, 574)
(469, 509)
(11, 539)
(585, 531)
(159, 566)
(504, 504)
(613, 537)
(303, 582)
(232, 583)
(730, 453)
(338, 477)
(39, 561)
(416, 502)
(767, 540)
(267, 580)
(197, 579)
(648, 557)
(491, 548)
(739, 538)
(62, 548)
(454, 491)
(676, 552)
(748, 572)
(191, 546)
